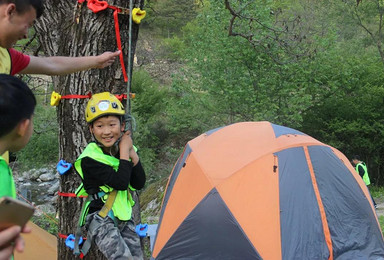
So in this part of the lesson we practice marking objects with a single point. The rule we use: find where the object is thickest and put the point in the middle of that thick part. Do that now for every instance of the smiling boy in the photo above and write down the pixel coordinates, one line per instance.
(107, 165)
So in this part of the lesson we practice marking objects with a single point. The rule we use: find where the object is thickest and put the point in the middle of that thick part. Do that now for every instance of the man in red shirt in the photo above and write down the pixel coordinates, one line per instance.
(16, 17)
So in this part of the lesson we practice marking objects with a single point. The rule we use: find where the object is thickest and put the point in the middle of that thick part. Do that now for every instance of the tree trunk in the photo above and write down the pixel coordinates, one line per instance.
(60, 35)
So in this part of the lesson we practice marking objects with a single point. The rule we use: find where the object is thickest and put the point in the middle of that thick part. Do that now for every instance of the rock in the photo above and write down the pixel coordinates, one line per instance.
(153, 204)
(152, 219)
(45, 208)
(40, 186)
(32, 174)
(54, 200)
(47, 177)
(54, 188)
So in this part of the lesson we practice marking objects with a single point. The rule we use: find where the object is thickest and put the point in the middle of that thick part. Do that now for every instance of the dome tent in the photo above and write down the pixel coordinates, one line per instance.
(39, 244)
(257, 190)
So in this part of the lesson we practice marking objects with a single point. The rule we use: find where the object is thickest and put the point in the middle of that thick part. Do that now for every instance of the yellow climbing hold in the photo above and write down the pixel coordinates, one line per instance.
(138, 15)
(55, 99)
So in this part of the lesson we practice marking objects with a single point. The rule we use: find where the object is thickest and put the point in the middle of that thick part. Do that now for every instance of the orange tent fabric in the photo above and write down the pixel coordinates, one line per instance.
(256, 190)
(39, 244)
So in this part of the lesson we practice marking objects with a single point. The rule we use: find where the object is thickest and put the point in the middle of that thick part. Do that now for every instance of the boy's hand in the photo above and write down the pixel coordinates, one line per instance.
(125, 145)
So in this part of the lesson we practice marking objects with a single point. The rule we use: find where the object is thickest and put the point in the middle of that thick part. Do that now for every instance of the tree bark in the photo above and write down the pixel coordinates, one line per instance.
(60, 35)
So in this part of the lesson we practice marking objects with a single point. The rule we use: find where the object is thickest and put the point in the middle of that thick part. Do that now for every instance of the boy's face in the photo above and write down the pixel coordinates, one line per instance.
(14, 26)
(107, 130)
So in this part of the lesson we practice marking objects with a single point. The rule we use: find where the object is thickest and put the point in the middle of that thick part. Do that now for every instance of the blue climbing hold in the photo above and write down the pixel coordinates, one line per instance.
(70, 241)
(142, 229)
(62, 166)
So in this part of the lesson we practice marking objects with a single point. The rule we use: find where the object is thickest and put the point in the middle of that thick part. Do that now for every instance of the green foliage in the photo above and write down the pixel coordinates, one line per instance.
(47, 222)
(173, 47)
(381, 221)
(350, 116)
(31, 43)
(148, 109)
(228, 80)
(168, 16)
(43, 147)
(377, 192)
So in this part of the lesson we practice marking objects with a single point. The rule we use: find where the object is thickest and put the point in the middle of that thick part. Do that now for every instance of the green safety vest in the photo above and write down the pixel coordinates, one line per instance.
(365, 176)
(7, 185)
(122, 207)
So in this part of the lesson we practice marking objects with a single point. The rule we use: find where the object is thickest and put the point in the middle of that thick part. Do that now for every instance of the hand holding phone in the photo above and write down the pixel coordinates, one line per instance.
(14, 212)
(9, 239)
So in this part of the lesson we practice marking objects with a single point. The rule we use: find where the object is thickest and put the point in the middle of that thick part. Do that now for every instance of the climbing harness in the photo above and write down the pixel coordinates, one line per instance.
(104, 212)
(96, 6)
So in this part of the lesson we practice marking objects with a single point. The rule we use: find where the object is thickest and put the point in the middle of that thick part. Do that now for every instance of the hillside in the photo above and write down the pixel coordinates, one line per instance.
(151, 57)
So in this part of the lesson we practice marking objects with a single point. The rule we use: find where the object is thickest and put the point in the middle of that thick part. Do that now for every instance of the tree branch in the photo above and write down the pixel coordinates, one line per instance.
(286, 38)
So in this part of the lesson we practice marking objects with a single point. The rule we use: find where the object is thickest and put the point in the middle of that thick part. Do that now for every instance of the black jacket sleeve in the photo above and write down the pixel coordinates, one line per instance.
(97, 174)
(361, 170)
(138, 177)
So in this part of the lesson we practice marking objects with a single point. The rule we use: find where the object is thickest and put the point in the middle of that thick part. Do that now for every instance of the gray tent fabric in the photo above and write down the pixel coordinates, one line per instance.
(299, 212)
(209, 232)
(346, 208)
(282, 130)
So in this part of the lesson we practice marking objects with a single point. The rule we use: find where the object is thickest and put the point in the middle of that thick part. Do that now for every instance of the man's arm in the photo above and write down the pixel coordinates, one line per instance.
(59, 65)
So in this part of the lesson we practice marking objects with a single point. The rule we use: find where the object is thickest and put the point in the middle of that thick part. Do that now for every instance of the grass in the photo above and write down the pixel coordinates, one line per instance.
(381, 221)
(377, 192)
(47, 223)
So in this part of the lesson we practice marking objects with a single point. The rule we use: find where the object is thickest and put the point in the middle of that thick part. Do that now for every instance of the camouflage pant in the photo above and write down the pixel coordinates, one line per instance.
(119, 242)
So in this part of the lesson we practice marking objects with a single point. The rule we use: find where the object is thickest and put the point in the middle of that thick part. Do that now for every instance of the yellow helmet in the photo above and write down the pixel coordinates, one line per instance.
(102, 104)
